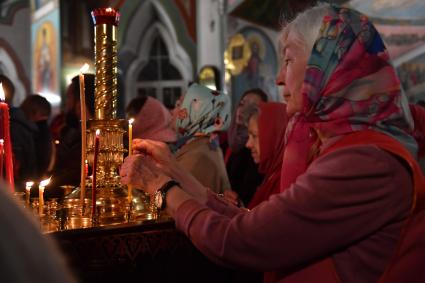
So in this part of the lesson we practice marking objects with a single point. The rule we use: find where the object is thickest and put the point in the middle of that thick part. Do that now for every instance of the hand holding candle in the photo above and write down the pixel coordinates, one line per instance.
(41, 188)
(7, 141)
(83, 131)
(95, 157)
(130, 152)
(28, 186)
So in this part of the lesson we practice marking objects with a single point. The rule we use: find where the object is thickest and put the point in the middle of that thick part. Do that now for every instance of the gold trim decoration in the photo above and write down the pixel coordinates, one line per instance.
(237, 54)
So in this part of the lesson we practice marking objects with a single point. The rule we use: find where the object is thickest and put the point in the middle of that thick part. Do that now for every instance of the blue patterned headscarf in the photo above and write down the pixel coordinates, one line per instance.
(202, 112)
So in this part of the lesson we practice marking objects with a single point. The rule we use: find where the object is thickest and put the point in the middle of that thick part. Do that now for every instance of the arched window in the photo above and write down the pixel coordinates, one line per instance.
(159, 78)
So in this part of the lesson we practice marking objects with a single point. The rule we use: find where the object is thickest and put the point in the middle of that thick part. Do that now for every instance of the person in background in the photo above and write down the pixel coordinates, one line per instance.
(25, 254)
(241, 169)
(198, 115)
(38, 110)
(357, 213)
(22, 133)
(67, 167)
(266, 140)
(151, 119)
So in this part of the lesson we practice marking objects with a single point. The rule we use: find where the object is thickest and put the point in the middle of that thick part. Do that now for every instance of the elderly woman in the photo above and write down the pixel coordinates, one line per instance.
(201, 113)
(342, 219)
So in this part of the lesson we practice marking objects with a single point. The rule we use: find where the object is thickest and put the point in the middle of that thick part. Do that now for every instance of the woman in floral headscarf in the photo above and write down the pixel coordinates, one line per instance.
(202, 112)
(357, 213)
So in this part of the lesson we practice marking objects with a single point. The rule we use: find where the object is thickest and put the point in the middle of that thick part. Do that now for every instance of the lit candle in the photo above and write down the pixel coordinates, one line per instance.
(86, 167)
(41, 188)
(95, 156)
(130, 152)
(83, 132)
(1, 157)
(6, 137)
(28, 186)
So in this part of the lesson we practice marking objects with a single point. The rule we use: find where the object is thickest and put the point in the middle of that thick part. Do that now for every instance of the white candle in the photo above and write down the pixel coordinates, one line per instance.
(41, 188)
(28, 186)
(130, 152)
(83, 69)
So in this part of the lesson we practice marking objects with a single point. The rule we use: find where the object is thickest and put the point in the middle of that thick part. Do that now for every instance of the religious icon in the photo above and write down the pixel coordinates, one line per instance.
(45, 59)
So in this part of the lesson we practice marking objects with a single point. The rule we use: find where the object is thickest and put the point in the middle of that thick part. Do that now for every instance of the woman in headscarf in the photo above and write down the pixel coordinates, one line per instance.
(201, 114)
(241, 169)
(152, 120)
(266, 131)
(357, 213)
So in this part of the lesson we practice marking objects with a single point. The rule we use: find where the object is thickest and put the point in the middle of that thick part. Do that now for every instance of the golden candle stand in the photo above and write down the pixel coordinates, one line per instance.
(112, 204)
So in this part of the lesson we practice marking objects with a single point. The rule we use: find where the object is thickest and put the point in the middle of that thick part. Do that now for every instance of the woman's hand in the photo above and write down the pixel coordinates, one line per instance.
(232, 197)
(142, 172)
(159, 152)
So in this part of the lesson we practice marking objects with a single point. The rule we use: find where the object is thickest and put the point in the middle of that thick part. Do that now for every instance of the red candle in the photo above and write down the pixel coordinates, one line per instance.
(95, 156)
(1, 157)
(7, 142)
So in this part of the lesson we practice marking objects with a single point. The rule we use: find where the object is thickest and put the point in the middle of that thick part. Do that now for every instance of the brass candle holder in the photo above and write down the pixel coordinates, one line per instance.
(112, 202)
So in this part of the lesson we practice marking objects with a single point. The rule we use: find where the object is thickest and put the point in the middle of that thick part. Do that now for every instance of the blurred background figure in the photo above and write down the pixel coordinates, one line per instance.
(266, 140)
(241, 168)
(66, 170)
(31, 142)
(38, 110)
(25, 254)
(152, 120)
(198, 116)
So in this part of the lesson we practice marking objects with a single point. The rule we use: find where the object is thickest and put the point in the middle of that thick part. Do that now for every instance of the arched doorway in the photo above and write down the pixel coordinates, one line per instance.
(153, 61)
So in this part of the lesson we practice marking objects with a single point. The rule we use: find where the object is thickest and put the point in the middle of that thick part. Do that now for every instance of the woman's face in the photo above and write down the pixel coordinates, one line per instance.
(291, 75)
(249, 98)
(253, 142)
(175, 111)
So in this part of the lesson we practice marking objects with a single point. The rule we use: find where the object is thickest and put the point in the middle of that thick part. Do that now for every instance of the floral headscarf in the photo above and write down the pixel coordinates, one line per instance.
(350, 84)
(202, 112)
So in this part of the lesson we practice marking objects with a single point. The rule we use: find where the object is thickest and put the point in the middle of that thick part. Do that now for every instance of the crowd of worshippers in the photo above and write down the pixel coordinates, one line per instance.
(326, 185)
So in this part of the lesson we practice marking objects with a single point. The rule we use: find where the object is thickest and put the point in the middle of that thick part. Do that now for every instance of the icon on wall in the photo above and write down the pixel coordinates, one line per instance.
(237, 54)
(45, 58)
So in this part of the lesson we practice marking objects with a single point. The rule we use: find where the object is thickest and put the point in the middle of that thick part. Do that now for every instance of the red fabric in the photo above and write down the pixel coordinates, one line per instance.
(272, 122)
(406, 264)
(300, 140)
(418, 114)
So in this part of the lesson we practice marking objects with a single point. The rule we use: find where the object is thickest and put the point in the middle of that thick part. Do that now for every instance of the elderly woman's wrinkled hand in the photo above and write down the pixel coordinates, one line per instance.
(158, 151)
(142, 172)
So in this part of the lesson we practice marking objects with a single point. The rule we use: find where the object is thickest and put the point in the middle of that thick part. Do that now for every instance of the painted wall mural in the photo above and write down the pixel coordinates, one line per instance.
(45, 34)
(262, 66)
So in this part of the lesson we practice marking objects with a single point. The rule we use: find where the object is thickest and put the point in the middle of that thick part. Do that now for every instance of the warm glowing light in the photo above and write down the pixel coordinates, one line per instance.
(97, 132)
(45, 182)
(2, 95)
(28, 185)
(130, 121)
(1, 141)
(109, 9)
(84, 68)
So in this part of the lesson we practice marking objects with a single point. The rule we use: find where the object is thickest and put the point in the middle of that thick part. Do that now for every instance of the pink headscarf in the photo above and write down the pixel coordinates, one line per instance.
(154, 122)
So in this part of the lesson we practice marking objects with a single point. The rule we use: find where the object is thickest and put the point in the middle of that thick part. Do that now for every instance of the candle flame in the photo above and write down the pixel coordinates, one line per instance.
(97, 132)
(109, 9)
(2, 95)
(1, 141)
(130, 121)
(29, 184)
(84, 68)
(45, 182)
